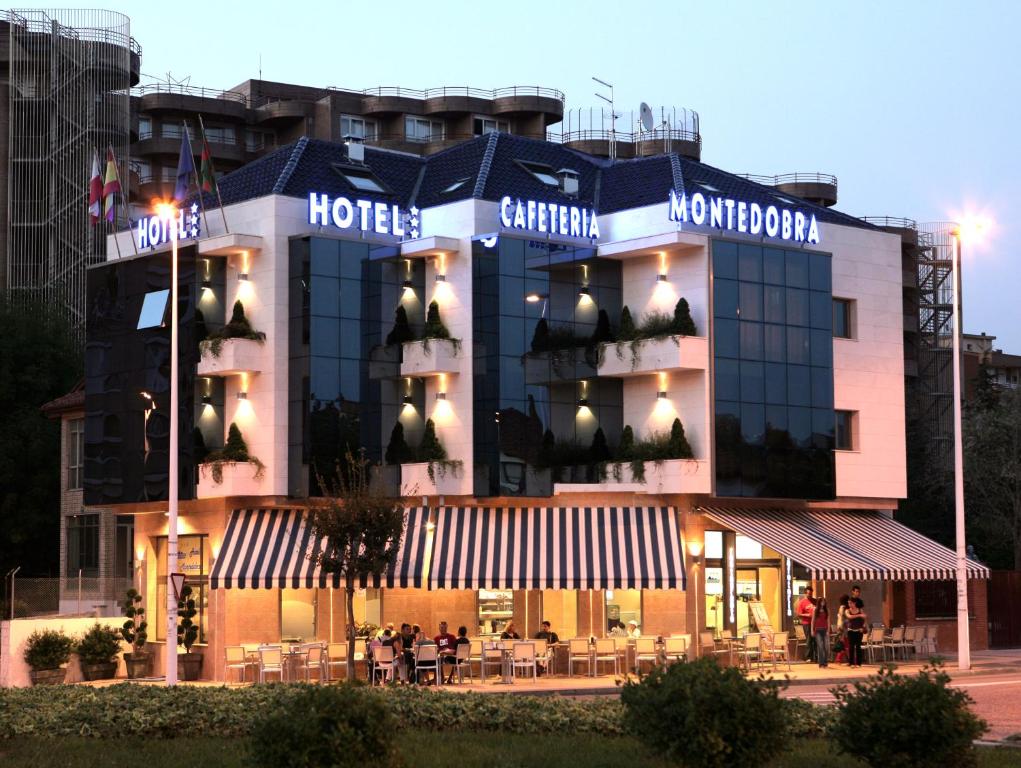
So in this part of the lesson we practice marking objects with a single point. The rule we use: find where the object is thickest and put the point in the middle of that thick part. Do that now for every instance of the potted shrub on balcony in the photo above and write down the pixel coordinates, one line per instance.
(97, 650)
(47, 653)
(133, 632)
(234, 452)
(189, 663)
(237, 328)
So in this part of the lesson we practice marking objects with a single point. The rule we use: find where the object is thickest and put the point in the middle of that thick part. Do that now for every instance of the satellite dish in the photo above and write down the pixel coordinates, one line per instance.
(646, 115)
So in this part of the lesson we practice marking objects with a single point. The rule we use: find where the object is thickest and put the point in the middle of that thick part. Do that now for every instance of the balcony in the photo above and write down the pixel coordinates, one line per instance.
(236, 356)
(446, 480)
(238, 478)
(648, 356)
(431, 357)
(662, 477)
(560, 366)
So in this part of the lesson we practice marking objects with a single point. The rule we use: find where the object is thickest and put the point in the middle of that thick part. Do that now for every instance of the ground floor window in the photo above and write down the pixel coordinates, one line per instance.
(83, 545)
(622, 607)
(935, 599)
(124, 557)
(193, 561)
(758, 584)
(298, 609)
(496, 609)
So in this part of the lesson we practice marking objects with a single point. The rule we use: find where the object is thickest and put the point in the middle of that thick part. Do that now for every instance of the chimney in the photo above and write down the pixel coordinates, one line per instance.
(355, 149)
(568, 181)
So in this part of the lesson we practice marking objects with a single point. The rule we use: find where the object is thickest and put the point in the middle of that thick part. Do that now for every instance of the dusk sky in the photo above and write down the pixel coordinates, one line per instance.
(914, 106)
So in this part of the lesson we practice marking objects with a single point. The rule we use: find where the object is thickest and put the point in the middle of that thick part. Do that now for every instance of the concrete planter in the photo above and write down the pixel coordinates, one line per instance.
(649, 356)
(236, 356)
(430, 357)
(415, 480)
(48, 676)
(239, 478)
(669, 476)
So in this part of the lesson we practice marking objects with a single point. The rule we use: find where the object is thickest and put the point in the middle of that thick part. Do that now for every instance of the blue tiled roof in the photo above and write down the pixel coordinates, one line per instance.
(609, 186)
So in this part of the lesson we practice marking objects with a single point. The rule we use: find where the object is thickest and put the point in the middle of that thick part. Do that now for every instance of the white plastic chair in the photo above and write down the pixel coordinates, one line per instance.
(751, 650)
(524, 658)
(606, 653)
(427, 658)
(235, 657)
(475, 657)
(897, 642)
(875, 640)
(336, 656)
(579, 652)
(383, 663)
(676, 648)
(645, 650)
(271, 660)
(777, 650)
(492, 656)
(313, 658)
(462, 661)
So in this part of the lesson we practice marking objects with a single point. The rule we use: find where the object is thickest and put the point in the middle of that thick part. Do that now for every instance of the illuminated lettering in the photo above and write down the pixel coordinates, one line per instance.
(742, 216)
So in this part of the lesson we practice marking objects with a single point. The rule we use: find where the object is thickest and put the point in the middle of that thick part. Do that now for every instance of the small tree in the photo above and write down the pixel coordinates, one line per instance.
(401, 331)
(133, 630)
(626, 449)
(187, 630)
(679, 446)
(599, 451)
(199, 449)
(603, 332)
(362, 530)
(431, 449)
(683, 324)
(627, 326)
(397, 450)
(434, 327)
(540, 339)
(547, 447)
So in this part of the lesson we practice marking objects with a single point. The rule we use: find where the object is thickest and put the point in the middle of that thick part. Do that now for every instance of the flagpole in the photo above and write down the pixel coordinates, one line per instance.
(102, 206)
(198, 184)
(212, 171)
(124, 198)
(96, 167)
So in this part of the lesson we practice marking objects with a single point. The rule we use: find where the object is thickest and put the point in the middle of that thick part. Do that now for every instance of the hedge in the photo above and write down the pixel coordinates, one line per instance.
(152, 711)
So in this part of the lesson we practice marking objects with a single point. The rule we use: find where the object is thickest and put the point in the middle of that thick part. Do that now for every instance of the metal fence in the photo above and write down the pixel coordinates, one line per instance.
(55, 596)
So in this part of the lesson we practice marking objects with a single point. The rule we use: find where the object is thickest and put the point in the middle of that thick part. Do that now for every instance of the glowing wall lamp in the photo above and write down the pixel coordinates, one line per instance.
(441, 395)
(660, 278)
(242, 395)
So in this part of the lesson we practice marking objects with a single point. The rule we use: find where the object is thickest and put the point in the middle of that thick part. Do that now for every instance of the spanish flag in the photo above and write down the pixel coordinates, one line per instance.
(112, 185)
(95, 191)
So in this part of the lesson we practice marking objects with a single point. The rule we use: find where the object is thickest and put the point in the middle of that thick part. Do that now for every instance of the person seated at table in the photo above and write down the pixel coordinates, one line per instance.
(546, 633)
(509, 633)
(617, 628)
(408, 649)
(451, 659)
(632, 629)
(421, 638)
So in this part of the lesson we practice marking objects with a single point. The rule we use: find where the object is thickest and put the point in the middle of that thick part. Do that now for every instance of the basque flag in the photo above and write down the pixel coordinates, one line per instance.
(185, 168)
(95, 191)
(113, 184)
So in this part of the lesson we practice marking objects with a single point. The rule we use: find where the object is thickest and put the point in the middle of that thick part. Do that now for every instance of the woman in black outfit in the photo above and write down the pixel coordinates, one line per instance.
(855, 618)
(509, 633)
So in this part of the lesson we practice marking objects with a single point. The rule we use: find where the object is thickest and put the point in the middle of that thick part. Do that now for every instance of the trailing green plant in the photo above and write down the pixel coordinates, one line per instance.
(235, 451)
(434, 327)
(133, 630)
(683, 324)
(187, 629)
(907, 721)
(48, 649)
(679, 447)
(704, 716)
(401, 331)
(335, 726)
(397, 450)
(99, 645)
(237, 328)
(627, 330)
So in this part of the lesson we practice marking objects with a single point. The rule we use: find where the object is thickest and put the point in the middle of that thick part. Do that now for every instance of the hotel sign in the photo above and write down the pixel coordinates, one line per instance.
(744, 217)
(552, 218)
(362, 215)
(153, 231)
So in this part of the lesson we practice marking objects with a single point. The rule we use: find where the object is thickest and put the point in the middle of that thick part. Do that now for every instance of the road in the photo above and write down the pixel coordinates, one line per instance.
(997, 700)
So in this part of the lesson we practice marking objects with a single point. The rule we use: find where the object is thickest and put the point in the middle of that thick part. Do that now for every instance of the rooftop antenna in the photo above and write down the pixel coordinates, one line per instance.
(260, 65)
(645, 115)
(613, 117)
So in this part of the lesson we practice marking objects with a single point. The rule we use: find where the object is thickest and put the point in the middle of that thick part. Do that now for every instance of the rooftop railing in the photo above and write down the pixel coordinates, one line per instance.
(44, 25)
(791, 178)
(458, 90)
(597, 134)
(189, 90)
(895, 222)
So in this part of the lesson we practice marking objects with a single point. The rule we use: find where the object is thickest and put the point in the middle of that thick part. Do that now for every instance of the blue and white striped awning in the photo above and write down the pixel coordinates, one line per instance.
(846, 544)
(557, 548)
(275, 548)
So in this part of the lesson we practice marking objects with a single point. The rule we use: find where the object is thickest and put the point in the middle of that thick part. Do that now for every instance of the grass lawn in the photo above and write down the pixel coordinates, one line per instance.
(420, 750)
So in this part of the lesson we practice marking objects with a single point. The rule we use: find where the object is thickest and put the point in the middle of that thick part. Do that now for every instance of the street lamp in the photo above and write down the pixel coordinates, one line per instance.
(168, 212)
(969, 228)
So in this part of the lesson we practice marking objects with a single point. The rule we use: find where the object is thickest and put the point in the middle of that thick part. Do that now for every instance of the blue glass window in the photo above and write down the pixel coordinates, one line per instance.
(725, 298)
(751, 301)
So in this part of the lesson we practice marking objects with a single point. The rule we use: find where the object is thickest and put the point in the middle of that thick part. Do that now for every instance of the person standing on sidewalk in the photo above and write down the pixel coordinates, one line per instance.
(804, 609)
(855, 628)
(821, 631)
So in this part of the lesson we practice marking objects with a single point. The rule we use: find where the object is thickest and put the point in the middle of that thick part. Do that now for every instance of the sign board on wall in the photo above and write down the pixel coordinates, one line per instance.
(155, 230)
(743, 217)
(361, 215)
(550, 218)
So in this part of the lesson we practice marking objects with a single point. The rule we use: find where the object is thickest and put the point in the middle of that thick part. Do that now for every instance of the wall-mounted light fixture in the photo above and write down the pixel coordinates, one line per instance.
(207, 284)
(207, 399)
(243, 277)
(660, 278)
(583, 402)
(242, 395)
(584, 291)
(661, 394)
(407, 400)
(441, 395)
(440, 277)
(408, 286)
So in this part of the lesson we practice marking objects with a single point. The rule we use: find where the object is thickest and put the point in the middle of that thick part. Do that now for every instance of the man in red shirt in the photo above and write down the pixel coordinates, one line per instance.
(447, 644)
(804, 609)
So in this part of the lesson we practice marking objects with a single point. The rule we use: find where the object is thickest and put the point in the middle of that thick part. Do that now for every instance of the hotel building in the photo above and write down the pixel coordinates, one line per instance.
(789, 388)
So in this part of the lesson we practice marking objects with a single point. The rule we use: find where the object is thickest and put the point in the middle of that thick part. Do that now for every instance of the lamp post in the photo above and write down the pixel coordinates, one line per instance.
(963, 630)
(169, 212)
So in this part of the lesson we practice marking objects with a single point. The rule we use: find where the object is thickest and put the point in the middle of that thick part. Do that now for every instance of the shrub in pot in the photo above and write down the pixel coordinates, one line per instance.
(189, 663)
(97, 650)
(47, 652)
(133, 631)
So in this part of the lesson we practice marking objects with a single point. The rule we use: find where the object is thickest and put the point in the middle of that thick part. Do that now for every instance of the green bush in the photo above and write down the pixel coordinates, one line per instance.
(134, 629)
(626, 448)
(603, 332)
(683, 324)
(48, 649)
(900, 721)
(700, 714)
(187, 629)
(99, 645)
(434, 327)
(627, 329)
(431, 449)
(334, 727)
(679, 446)
(401, 331)
(599, 450)
(397, 450)
(540, 338)
(237, 328)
